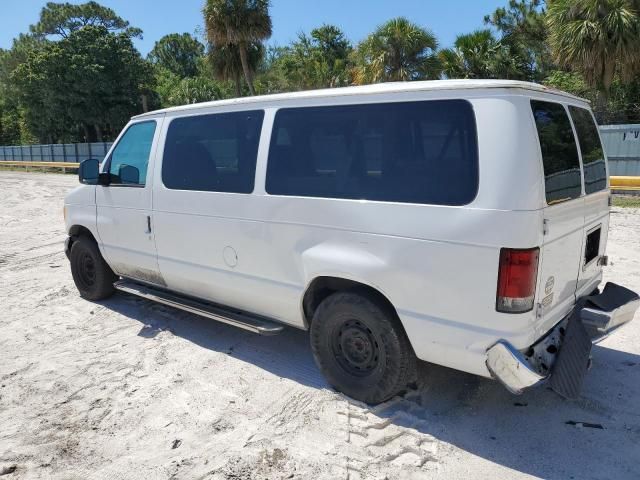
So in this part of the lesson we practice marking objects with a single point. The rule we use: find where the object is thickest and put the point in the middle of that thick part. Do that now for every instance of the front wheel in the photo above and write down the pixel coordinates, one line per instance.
(91, 274)
(361, 348)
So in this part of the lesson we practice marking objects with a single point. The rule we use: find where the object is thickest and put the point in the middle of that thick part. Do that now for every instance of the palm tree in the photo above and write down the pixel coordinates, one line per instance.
(599, 38)
(397, 51)
(227, 66)
(240, 23)
(478, 55)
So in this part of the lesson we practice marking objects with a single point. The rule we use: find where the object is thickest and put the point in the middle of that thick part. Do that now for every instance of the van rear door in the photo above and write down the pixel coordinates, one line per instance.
(563, 214)
(596, 204)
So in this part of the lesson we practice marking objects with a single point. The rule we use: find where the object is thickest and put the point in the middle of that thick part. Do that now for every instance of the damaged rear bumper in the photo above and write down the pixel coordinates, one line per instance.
(595, 315)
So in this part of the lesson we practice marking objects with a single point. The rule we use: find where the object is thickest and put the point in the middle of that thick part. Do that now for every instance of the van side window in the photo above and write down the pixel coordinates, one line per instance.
(130, 157)
(212, 153)
(559, 152)
(593, 164)
(416, 152)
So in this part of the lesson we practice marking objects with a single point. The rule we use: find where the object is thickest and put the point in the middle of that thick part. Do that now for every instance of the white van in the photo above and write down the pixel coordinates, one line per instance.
(460, 222)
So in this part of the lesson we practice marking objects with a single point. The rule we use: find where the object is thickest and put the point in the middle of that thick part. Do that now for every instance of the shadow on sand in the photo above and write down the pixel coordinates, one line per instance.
(532, 434)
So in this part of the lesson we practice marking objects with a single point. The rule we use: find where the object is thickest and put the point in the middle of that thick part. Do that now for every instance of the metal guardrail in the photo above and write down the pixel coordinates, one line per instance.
(62, 152)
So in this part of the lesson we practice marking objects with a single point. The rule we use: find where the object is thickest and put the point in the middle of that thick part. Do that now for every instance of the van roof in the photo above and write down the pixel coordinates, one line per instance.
(377, 88)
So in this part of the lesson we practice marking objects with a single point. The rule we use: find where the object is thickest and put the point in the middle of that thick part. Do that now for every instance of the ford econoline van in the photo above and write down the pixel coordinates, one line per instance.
(462, 223)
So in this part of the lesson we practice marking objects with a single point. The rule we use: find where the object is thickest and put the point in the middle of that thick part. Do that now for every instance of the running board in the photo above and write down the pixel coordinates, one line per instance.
(246, 321)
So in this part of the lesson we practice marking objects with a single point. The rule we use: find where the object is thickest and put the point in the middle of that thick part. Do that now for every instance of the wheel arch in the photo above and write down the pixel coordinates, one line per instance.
(75, 232)
(323, 286)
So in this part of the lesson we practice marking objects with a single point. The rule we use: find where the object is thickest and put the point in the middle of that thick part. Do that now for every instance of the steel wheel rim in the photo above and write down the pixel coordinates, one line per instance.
(355, 348)
(87, 269)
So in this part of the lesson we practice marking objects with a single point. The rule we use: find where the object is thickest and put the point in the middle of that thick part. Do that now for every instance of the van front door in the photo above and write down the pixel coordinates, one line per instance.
(125, 225)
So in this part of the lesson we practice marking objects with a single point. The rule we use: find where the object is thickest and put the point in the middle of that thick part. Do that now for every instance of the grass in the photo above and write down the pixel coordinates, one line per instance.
(626, 201)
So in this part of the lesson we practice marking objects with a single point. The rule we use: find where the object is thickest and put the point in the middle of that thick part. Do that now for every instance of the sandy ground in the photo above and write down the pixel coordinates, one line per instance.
(129, 389)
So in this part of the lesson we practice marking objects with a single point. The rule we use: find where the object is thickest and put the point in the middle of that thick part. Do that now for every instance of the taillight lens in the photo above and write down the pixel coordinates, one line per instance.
(517, 274)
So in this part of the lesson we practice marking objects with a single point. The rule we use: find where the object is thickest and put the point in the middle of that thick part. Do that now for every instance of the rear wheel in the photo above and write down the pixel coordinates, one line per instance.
(91, 274)
(361, 348)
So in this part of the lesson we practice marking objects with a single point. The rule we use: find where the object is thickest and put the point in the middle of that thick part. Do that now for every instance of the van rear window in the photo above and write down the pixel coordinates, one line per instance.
(416, 152)
(559, 152)
(595, 169)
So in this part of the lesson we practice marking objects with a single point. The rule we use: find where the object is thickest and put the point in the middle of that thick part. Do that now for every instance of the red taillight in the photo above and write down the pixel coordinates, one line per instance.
(517, 274)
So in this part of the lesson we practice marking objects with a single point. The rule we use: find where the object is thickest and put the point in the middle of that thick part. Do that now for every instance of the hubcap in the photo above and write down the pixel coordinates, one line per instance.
(356, 348)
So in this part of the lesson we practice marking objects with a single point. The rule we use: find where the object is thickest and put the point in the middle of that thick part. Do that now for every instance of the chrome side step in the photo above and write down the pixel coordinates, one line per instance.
(252, 323)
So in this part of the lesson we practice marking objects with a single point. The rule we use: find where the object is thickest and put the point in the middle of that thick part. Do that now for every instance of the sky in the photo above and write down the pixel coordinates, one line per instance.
(357, 18)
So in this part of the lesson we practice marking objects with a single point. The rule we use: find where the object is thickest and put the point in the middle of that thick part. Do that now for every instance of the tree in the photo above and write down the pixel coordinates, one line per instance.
(397, 51)
(61, 19)
(478, 55)
(598, 38)
(238, 23)
(227, 66)
(13, 128)
(523, 30)
(194, 90)
(92, 80)
(622, 104)
(178, 53)
(317, 60)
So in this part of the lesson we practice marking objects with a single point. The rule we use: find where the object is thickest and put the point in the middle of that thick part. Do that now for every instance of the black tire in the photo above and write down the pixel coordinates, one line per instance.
(361, 347)
(91, 274)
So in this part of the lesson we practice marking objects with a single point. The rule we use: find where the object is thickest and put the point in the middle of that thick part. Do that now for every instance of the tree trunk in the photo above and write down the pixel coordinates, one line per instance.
(145, 103)
(245, 67)
(602, 99)
(98, 133)
(236, 79)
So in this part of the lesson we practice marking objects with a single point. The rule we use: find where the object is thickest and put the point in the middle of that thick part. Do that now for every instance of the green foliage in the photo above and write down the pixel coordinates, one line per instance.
(396, 51)
(226, 65)
(62, 19)
(522, 28)
(622, 105)
(571, 82)
(194, 90)
(479, 55)
(238, 24)
(315, 61)
(178, 53)
(173, 90)
(598, 38)
(99, 82)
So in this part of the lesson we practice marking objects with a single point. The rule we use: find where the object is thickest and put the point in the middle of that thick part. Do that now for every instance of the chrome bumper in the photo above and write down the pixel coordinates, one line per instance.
(604, 313)
(510, 367)
(600, 314)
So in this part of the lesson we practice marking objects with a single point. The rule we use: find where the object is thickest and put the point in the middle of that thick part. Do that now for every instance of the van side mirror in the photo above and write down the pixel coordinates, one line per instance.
(88, 171)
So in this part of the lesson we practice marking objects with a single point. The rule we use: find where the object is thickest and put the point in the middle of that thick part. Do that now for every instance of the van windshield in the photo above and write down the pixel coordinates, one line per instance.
(417, 152)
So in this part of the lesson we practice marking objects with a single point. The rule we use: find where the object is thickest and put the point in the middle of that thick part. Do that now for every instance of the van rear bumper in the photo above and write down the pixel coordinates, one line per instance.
(599, 315)
(510, 367)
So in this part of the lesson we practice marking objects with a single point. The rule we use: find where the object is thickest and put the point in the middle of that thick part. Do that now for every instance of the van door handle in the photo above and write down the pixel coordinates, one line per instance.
(148, 224)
